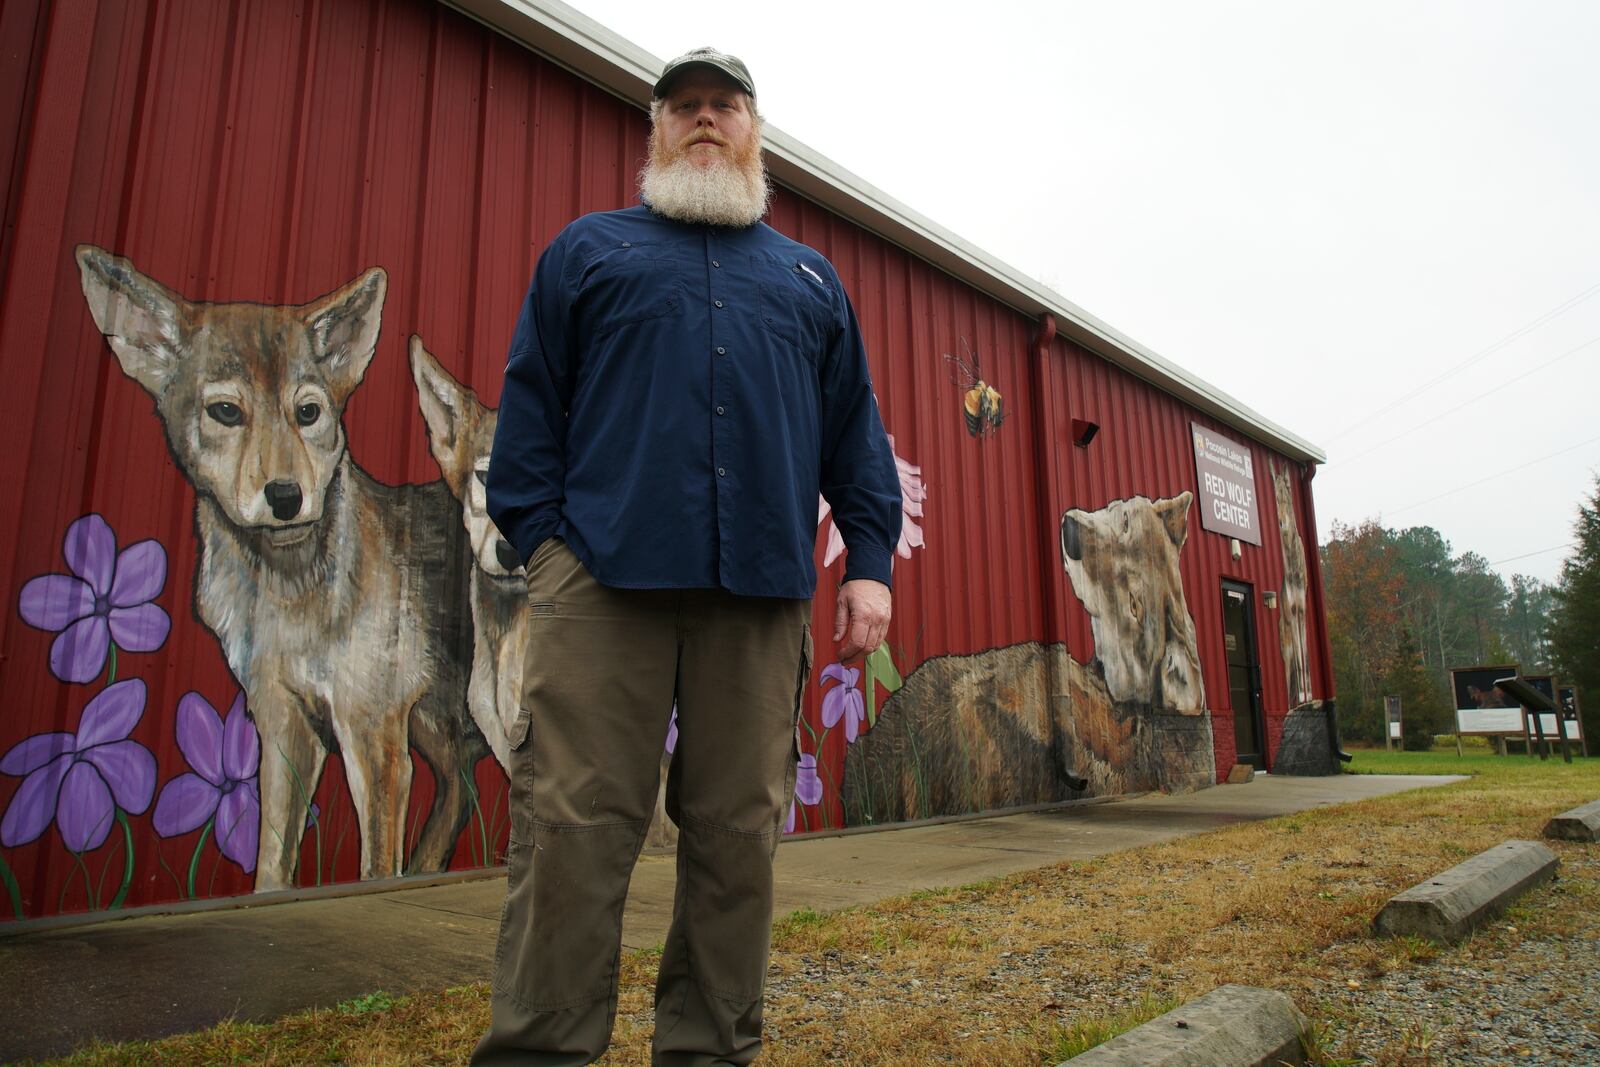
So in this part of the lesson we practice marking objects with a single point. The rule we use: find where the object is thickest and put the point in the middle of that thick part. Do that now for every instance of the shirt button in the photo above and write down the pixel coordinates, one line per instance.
(721, 410)
(722, 472)
(717, 302)
(627, 244)
(721, 351)
(714, 263)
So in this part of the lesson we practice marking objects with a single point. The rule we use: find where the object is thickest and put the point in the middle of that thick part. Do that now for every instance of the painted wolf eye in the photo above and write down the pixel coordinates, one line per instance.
(225, 413)
(482, 476)
(306, 414)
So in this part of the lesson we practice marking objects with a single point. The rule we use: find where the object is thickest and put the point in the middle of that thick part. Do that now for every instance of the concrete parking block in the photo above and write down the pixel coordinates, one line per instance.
(1580, 824)
(1231, 1026)
(1447, 907)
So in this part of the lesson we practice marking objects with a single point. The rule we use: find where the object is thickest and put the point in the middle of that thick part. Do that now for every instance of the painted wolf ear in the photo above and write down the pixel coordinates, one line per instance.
(445, 403)
(1174, 514)
(141, 319)
(344, 329)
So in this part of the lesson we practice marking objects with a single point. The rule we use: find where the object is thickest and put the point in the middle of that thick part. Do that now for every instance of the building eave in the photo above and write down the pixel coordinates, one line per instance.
(590, 50)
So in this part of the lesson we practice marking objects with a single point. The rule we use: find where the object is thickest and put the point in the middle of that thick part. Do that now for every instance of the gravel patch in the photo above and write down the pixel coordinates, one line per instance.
(1524, 990)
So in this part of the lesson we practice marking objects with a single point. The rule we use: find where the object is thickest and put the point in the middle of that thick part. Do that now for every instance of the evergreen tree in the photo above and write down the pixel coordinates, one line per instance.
(1422, 712)
(1575, 621)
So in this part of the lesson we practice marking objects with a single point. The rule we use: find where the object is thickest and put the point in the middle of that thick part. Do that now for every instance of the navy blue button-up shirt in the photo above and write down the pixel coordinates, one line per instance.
(676, 397)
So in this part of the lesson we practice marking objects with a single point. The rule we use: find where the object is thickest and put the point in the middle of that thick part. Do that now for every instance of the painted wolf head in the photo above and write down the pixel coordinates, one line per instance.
(1123, 562)
(252, 395)
(460, 435)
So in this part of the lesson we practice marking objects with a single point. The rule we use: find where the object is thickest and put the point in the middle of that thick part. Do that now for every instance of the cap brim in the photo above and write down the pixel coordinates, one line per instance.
(671, 74)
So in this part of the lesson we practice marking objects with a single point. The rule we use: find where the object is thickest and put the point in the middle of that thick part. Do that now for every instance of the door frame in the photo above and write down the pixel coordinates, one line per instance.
(1233, 588)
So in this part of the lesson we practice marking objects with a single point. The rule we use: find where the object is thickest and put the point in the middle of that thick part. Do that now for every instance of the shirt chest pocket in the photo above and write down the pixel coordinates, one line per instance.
(624, 286)
(796, 309)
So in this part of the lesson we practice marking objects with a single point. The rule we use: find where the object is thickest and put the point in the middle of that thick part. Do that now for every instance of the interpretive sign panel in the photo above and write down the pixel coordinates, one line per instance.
(1227, 477)
(1481, 708)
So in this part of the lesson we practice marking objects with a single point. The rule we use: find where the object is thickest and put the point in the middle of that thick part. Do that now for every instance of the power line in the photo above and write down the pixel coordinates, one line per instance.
(1492, 477)
(1520, 331)
(1474, 400)
(1525, 555)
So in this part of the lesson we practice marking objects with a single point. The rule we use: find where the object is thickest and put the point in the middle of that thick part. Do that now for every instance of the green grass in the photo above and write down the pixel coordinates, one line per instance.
(1445, 761)
(1080, 1036)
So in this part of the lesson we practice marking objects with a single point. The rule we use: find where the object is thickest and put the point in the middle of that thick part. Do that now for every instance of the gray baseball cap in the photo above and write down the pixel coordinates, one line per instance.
(732, 66)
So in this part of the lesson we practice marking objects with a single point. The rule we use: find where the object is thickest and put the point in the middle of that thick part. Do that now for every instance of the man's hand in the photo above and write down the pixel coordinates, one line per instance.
(863, 614)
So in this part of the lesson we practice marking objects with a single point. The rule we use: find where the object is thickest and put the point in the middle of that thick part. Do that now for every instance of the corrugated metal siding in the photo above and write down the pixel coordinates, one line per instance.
(271, 151)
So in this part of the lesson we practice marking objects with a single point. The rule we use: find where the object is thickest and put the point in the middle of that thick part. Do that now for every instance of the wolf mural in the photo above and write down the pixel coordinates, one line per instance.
(1292, 610)
(1027, 723)
(341, 604)
(460, 435)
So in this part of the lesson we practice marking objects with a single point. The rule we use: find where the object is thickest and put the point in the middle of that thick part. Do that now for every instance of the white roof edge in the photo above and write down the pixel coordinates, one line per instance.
(600, 55)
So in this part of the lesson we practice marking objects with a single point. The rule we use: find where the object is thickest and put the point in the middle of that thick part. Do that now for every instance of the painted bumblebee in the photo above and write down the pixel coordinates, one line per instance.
(981, 402)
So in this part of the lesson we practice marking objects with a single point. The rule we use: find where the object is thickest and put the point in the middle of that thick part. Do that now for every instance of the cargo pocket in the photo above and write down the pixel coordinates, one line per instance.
(521, 779)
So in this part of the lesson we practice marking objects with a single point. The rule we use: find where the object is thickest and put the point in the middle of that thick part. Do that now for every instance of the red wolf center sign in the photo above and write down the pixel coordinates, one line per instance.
(1227, 486)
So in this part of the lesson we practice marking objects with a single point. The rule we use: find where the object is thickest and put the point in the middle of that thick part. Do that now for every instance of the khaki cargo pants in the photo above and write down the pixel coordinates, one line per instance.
(604, 666)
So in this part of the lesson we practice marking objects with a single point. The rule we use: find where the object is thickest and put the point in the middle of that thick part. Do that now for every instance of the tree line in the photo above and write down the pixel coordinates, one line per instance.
(1404, 608)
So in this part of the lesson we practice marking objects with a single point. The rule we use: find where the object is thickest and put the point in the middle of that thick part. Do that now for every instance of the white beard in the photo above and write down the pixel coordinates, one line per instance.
(723, 195)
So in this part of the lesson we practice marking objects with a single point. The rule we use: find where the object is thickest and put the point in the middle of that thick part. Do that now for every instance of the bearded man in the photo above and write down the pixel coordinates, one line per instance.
(683, 381)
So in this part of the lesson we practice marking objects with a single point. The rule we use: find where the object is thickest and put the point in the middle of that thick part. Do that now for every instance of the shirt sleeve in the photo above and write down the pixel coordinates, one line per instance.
(525, 488)
(859, 478)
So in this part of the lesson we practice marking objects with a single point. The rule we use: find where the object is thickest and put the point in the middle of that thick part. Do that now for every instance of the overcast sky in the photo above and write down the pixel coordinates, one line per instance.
(1335, 212)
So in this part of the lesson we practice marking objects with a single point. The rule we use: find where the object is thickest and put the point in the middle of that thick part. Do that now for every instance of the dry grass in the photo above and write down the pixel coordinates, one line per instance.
(1026, 968)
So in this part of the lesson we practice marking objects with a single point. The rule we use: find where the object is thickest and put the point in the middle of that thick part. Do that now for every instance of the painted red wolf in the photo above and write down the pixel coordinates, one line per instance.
(460, 434)
(1292, 615)
(1027, 723)
(340, 602)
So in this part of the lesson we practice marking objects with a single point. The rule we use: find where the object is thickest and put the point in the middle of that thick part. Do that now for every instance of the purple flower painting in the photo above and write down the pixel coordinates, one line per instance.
(672, 729)
(80, 780)
(107, 598)
(844, 700)
(807, 787)
(226, 757)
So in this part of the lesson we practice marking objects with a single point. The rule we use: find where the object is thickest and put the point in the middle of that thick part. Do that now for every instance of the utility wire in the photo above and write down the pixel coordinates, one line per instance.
(1474, 400)
(1525, 555)
(1520, 331)
(1492, 477)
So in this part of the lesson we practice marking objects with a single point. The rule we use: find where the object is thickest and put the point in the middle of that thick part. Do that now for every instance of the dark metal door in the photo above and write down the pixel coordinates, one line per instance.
(1244, 672)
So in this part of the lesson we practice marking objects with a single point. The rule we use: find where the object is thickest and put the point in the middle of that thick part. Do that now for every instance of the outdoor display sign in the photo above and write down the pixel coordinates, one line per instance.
(1227, 477)
(1545, 684)
(1571, 716)
(1391, 713)
(1481, 707)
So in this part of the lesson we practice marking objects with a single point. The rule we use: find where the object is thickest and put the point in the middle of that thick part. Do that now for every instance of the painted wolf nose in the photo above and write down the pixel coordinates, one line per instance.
(284, 500)
(506, 554)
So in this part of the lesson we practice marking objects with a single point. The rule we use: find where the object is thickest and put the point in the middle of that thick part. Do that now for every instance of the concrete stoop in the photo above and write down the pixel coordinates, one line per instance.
(1580, 824)
(1447, 907)
(1231, 1026)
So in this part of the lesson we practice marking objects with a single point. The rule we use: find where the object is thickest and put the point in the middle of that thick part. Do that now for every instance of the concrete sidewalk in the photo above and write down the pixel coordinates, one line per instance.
(155, 975)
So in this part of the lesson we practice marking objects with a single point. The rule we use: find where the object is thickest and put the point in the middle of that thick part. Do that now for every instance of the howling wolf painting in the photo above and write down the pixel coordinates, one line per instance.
(1292, 617)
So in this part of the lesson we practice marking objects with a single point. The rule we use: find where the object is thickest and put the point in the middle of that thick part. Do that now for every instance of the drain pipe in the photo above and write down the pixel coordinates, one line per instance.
(1315, 591)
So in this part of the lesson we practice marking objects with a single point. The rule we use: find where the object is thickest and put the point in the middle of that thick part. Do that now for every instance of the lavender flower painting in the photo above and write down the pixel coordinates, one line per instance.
(83, 780)
(844, 700)
(222, 789)
(807, 788)
(104, 604)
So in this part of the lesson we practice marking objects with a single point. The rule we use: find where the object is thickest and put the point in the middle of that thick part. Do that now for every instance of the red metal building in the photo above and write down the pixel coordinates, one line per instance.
(163, 156)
